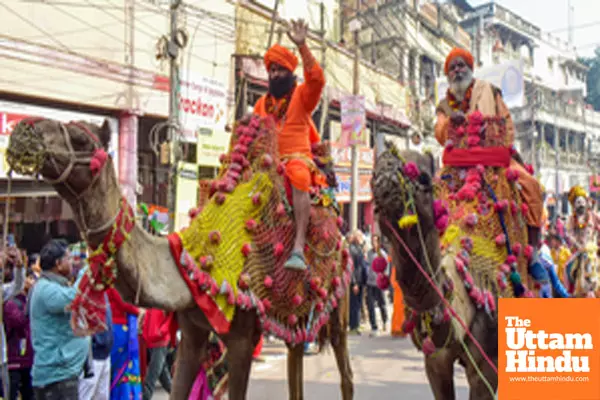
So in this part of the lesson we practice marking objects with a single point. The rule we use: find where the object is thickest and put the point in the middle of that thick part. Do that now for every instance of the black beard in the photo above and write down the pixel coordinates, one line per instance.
(580, 211)
(279, 87)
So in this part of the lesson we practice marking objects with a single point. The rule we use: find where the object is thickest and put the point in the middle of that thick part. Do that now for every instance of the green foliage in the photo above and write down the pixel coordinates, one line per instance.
(593, 79)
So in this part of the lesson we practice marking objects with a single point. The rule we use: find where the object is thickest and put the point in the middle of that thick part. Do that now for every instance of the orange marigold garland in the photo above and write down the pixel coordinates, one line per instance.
(88, 310)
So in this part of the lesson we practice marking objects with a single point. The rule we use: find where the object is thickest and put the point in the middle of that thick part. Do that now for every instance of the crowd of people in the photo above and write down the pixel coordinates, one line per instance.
(44, 359)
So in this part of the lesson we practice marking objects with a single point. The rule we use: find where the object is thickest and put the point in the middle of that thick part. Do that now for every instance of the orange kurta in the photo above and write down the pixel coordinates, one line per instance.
(297, 131)
(531, 190)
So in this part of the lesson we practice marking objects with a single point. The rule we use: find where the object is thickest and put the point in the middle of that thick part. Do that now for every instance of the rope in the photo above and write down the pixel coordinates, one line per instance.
(446, 303)
(472, 360)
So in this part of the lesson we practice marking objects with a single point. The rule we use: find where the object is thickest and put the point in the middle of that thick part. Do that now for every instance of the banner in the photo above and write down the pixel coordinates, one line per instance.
(342, 156)
(549, 349)
(595, 183)
(507, 76)
(187, 193)
(202, 104)
(211, 144)
(353, 117)
(342, 193)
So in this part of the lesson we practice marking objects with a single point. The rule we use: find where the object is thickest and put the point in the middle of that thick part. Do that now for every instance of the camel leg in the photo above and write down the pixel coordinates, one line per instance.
(478, 390)
(243, 336)
(189, 353)
(440, 373)
(295, 371)
(339, 343)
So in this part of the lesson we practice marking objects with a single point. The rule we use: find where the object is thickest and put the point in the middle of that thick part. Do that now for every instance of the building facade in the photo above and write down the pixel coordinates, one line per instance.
(91, 61)
(557, 131)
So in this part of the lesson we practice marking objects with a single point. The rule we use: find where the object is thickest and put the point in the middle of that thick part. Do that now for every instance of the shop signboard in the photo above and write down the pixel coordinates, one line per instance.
(202, 105)
(12, 113)
(187, 193)
(344, 187)
(211, 144)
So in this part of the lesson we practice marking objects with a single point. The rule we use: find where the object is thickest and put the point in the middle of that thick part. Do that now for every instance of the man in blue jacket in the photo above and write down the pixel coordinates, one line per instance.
(59, 356)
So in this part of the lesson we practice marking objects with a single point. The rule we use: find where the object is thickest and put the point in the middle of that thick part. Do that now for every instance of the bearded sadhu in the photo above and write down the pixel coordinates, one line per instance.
(291, 105)
(466, 95)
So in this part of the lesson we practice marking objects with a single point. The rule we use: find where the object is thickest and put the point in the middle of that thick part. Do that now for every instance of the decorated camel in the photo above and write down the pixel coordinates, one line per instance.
(224, 273)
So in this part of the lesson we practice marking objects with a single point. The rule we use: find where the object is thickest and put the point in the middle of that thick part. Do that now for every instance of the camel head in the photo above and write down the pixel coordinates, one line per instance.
(403, 183)
(69, 156)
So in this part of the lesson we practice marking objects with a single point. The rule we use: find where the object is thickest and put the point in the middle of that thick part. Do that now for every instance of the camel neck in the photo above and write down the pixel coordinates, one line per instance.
(416, 288)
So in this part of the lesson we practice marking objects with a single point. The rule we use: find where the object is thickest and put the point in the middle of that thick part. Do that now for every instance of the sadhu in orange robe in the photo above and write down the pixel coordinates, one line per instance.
(489, 101)
(293, 114)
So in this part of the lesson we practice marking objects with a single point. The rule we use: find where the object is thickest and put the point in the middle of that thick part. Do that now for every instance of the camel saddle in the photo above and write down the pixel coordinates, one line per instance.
(233, 253)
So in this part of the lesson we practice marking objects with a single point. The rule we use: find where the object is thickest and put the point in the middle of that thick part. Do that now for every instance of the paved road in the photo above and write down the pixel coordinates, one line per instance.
(384, 368)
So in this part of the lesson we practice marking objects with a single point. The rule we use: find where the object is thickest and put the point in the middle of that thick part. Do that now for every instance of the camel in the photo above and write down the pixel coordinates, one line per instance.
(425, 311)
(64, 155)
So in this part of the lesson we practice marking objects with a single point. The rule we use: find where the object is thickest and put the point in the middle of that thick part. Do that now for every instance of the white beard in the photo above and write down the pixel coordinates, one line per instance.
(460, 85)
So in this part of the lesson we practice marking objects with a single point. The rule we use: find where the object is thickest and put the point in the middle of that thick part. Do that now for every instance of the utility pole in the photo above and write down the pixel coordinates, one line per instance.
(173, 52)
(273, 20)
(355, 27)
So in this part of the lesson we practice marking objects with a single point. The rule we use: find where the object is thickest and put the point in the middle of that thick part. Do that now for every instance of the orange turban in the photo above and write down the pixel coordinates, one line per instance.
(459, 52)
(280, 55)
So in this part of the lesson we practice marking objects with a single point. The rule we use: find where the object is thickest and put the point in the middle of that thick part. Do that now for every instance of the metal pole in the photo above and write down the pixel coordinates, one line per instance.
(324, 99)
(273, 18)
(354, 175)
(173, 50)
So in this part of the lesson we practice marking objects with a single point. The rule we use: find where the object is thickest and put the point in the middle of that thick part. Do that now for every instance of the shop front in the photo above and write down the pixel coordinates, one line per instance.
(36, 212)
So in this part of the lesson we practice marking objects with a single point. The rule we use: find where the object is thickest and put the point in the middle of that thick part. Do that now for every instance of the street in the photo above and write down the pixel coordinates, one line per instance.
(384, 368)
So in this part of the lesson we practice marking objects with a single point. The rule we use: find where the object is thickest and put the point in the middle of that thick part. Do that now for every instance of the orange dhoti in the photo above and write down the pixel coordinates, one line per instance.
(398, 312)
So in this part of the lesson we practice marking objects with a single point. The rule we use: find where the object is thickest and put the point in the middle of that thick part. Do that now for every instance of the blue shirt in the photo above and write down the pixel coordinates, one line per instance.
(58, 353)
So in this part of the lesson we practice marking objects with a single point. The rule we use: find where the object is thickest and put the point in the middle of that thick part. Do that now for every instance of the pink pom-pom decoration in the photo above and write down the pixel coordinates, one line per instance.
(524, 209)
(383, 282)
(379, 264)
(280, 211)
(471, 220)
(411, 171)
(428, 346)
(297, 300)
(315, 283)
(528, 252)
(244, 281)
(442, 223)
(220, 198)
(268, 282)
(292, 319)
(319, 307)
(473, 141)
(251, 225)
(511, 259)
(98, 160)
(505, 268)
(409, 326)
(266, 304)
(516, 248)
(501, 239)
(475, 118)
(278, 250)
(256, 199)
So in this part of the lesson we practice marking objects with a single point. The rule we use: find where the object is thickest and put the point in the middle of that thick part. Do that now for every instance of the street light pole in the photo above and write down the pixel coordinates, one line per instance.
(173, 51)
(355, 27)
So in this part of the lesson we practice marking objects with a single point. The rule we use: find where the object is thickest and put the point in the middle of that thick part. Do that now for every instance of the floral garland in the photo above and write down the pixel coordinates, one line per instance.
(89, 308)
(457, 105)
(278, 108)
